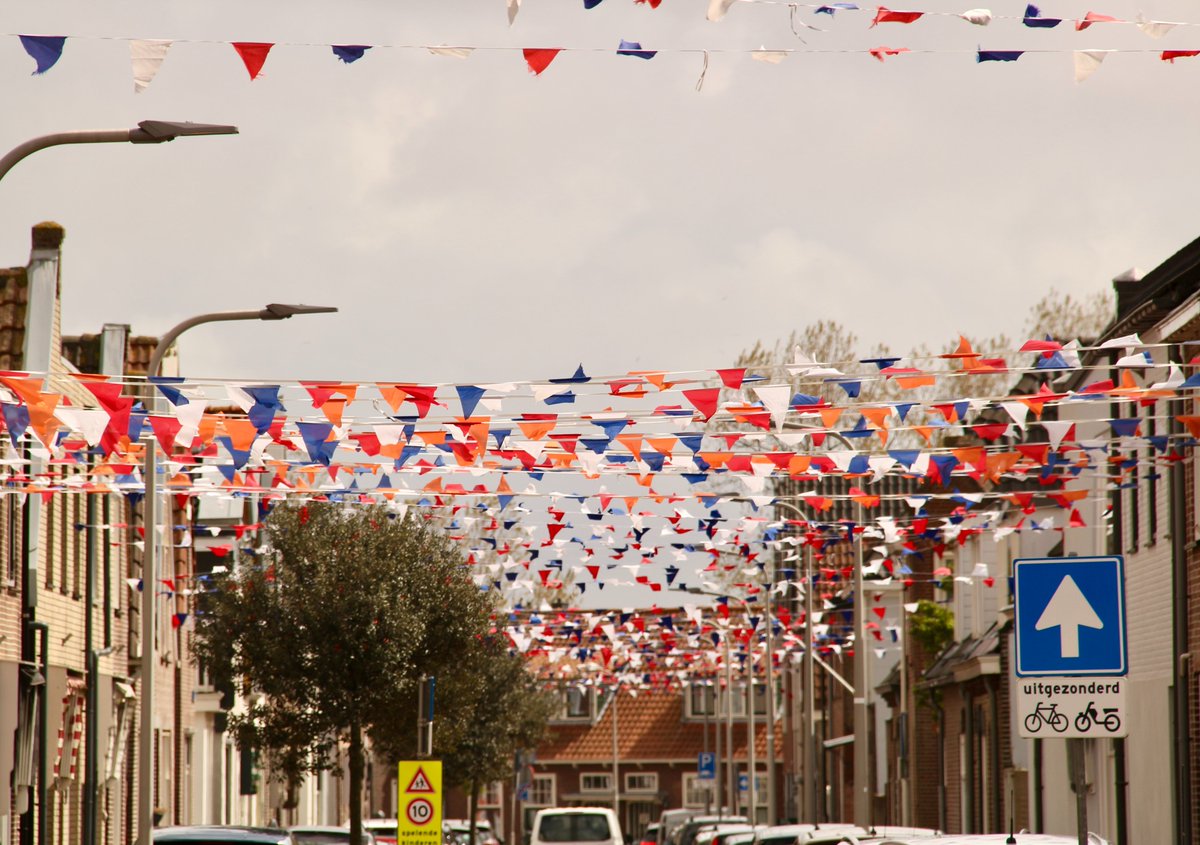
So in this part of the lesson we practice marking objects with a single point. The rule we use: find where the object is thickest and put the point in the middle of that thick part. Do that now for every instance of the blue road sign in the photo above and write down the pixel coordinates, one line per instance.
(706, 766)
(743, 783)
(1070, 616)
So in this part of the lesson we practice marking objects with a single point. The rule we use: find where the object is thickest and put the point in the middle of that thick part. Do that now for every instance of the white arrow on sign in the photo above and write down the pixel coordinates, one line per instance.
(1068, 610)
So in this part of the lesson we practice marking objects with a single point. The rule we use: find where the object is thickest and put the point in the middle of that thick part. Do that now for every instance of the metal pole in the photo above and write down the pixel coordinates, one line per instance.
(730, 763)
(862, 730)
(90, 768)
(43, 772)
(751, 738)
(770, 689)
(104, 136)
(615, 771)
(1075, 753)
(708, 786)
(145, 803)
(907, 762)
(810, 698)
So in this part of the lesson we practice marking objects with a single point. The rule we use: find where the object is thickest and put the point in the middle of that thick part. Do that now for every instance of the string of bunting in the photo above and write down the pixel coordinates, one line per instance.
(148, 55)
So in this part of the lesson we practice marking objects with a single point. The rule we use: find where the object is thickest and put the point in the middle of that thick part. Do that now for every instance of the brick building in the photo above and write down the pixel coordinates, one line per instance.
(658, 738)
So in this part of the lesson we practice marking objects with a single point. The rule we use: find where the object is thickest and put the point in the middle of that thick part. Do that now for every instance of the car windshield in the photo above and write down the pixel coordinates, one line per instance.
(574, 827)
(325, 837)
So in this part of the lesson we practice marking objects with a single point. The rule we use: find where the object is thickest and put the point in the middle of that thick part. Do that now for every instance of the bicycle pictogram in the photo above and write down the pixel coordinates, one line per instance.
(1110, 721)
(1046, 714)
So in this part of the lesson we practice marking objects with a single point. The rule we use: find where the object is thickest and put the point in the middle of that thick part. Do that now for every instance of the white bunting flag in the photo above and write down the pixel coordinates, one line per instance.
(147, 56)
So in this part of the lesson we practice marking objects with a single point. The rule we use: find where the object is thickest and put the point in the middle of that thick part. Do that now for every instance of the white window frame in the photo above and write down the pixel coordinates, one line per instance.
(565, 715)
(534, 801)
(630, 776)
(710, 690)
(693, 786)
(601, 790)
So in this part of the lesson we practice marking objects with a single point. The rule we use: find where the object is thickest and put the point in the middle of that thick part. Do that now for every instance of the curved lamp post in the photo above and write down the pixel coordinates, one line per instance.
(146, 132)
(274, 311)
(150, 518)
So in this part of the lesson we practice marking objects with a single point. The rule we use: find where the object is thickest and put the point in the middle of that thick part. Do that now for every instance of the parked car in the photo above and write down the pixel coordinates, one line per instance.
(384, 830)
(650, 835)
(576, 826)
(716, 833)
(220, 835)
(790, 834)
(1022, 838)
(326, 835)
(685, 834)
(460, 831)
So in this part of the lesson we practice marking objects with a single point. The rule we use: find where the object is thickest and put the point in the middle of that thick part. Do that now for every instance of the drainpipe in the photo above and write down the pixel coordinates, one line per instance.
(941, 764)
(994, 743)
(1116, 547)
(43, 726)
(968, 791)
(1179, 614)
(1038, 807)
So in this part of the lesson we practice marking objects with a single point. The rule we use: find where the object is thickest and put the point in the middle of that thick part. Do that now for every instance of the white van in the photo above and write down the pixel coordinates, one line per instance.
(576, 826)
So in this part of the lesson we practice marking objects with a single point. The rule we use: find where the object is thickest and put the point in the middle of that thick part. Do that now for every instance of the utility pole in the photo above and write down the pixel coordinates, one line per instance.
(862, 728)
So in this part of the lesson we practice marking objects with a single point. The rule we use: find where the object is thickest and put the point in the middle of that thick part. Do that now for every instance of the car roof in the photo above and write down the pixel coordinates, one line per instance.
(557, 811)
(998, 839)
(218, 833)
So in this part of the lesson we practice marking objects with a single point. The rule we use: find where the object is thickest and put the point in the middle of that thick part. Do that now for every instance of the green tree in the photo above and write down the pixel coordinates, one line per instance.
(488, 707)
(931, 626)
(332, 626)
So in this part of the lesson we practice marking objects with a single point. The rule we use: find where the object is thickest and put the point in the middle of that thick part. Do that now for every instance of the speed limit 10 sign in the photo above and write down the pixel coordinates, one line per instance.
(420, 793)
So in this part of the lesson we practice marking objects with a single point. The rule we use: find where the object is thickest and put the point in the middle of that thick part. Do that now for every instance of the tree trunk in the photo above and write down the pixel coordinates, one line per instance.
(356, 783)
(472, 808)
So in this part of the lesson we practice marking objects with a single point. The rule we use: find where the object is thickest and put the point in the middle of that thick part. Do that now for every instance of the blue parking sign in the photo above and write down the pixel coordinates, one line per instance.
(1069, 616)
(706, 766)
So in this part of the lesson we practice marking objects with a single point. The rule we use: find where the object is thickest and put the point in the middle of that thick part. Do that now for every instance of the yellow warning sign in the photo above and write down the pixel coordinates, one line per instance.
(420, 816)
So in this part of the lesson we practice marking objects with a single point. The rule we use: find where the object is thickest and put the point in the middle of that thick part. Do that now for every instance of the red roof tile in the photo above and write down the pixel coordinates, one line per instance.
(650, 726)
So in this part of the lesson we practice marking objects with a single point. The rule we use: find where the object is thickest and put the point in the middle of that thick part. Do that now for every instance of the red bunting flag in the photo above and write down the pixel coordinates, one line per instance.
(539, 59)
(1091, 18)
(883, 52)
(254, 55)
(886, 15)
(1172, 55)
(705, 401)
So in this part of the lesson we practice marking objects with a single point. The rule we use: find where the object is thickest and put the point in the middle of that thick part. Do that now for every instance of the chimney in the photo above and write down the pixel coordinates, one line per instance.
(42, 342)
(1127, 286)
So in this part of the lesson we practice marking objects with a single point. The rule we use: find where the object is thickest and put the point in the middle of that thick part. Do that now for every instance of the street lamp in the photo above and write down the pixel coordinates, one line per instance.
(146, 132)
(274, 311)
(150, 566)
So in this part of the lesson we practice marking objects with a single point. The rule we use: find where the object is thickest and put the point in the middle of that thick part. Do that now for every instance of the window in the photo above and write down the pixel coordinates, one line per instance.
(574, 827)
(11, 539)
(75, 537)
(541, 791)
(739, 701)
(696, 792)
(595, 782)
(47, 541)
(577, 703)
(702, 700)
(641, 782)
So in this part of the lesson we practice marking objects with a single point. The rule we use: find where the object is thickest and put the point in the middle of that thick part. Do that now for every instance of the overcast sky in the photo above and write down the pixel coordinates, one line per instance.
(476, 223)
